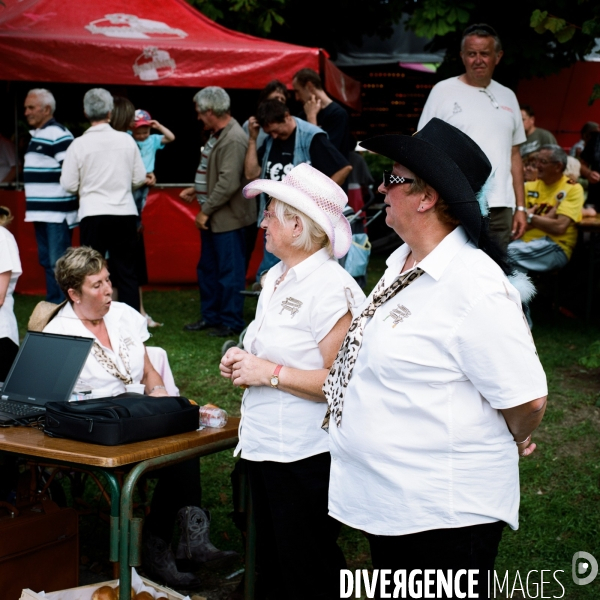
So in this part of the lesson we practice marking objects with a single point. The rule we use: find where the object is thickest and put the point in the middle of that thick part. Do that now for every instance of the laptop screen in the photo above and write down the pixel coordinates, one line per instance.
(46, 368)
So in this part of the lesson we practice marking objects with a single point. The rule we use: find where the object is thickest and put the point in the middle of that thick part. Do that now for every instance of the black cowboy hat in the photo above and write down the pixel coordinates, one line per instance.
(448, 160)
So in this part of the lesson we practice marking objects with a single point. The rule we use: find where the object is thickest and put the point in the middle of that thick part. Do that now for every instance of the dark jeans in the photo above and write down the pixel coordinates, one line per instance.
(472, 547)
(177, 486)
(221, 277)
(52, 241)
(297, 549)
(117, 236)
(8, 352)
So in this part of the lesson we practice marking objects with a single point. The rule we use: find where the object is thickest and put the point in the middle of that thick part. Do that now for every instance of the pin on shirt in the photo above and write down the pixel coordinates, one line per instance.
(290, 304)
(398, 314)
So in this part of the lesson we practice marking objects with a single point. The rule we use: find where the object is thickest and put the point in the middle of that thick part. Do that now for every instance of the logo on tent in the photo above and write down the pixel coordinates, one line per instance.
(154, 64)
(120, 25)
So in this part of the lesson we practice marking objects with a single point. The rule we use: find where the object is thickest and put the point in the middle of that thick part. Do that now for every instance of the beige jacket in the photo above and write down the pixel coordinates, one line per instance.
(226, 206)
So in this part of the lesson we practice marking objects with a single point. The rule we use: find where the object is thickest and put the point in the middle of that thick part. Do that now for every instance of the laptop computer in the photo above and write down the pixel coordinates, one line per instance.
(45, 369)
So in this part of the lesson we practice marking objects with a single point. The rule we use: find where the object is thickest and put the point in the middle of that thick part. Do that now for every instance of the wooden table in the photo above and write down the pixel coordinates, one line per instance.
(154, 454)
(590, 225)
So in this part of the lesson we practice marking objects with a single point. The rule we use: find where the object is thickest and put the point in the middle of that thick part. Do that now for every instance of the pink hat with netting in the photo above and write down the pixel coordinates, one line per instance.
(317, 196)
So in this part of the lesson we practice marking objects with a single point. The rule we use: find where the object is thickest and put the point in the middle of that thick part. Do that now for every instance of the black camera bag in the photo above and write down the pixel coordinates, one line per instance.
(123, 419)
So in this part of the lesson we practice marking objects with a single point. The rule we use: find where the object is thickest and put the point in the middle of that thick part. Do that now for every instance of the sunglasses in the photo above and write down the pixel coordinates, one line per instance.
(390, 179)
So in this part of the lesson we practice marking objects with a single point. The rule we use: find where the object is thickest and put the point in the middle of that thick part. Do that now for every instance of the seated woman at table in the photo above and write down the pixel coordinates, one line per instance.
(119, 358)
(303, 313)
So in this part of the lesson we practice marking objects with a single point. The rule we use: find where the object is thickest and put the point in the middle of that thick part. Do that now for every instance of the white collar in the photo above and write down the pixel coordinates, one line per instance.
(435, 262)
(311, 264)
(95, 128)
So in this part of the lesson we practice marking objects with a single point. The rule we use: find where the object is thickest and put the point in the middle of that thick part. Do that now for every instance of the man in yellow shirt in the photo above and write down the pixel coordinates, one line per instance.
(553, 207)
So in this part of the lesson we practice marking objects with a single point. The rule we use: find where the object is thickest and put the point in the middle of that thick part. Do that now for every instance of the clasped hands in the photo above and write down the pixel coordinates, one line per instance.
(245, 369)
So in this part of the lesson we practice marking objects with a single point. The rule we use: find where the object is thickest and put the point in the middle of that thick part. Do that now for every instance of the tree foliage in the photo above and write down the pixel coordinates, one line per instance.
(324, 24)
(536, 42)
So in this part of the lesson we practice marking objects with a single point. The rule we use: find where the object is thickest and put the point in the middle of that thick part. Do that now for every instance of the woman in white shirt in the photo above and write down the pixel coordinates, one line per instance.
(119, 358)
(302, 316)
(437, 388)
(10, 269)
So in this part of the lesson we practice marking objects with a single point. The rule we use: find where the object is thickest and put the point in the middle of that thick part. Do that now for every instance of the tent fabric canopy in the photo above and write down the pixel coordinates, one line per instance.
(135, 42)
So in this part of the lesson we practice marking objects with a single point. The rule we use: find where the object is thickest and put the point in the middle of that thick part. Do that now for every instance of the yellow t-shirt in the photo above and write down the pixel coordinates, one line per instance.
(568, 197)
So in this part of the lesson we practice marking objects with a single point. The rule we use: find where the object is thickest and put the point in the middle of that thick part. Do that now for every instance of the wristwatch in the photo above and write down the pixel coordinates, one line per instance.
(529, 219)
(521, 208)
(275, 376)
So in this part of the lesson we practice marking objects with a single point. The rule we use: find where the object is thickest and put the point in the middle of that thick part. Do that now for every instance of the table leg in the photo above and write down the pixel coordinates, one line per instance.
(126, 503)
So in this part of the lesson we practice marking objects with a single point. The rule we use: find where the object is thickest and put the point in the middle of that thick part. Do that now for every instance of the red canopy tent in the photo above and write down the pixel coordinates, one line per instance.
(135, 42)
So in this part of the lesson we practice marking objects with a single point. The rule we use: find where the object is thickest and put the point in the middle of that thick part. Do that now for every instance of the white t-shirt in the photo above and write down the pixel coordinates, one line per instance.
(491, 117)
(103, 165)
(9, 261)
(126, 327)
(289, 325)
(422, 443)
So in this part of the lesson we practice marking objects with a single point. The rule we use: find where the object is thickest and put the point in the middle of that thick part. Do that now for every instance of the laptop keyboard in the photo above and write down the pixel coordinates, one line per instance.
(16, 408)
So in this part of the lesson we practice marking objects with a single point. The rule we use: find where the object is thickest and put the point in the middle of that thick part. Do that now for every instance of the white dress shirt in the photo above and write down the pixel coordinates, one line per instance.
(290, 322)
(103, 165)
(9, 261)
(125, 326)
(422, 443)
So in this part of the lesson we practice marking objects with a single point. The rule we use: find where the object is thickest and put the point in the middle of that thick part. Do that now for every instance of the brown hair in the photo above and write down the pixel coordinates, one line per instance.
(442, 209)
(303, 76)
(122, 113)
(75, 265)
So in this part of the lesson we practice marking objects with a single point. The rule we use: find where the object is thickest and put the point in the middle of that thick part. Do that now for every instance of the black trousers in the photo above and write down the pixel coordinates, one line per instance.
(178, 486)
(297, 549)
(117, 236)
(8, 352)
(472, 547)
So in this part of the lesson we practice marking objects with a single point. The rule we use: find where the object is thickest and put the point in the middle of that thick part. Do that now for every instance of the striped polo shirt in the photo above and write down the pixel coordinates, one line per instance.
(46, 200)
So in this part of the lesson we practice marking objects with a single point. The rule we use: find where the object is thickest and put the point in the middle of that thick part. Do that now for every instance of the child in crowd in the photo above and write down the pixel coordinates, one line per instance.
(148, 143)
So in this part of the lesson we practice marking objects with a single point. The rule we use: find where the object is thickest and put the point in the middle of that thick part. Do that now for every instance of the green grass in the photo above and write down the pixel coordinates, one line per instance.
(560, 483)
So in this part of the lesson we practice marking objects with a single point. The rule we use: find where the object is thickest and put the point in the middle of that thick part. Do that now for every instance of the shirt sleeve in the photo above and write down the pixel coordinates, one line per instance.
(69, 177)
(139, 170)
(571, 206)
(136, 322)
(495, 350)
(519, 136)
(6, 262)
(330, 305)
(325, 157)
(61, 145)
(230, 164)
(157, 141)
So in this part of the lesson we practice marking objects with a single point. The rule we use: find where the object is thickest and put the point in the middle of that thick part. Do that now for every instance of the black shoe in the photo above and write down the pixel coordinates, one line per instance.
(224, 331)
(199, 326)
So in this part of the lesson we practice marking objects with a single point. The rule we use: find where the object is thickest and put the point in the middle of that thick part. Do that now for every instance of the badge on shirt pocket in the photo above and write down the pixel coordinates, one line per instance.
(292, 305)
(398, 314)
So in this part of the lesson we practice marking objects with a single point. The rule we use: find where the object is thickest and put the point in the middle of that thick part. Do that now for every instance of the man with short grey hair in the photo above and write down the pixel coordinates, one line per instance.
(224, 214)
(51, 209)
(488, 113)
(554, 206)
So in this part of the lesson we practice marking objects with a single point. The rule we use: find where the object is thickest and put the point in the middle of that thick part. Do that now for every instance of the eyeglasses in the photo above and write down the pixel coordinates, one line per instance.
(389, 179)
(268, 215)
(544, 161)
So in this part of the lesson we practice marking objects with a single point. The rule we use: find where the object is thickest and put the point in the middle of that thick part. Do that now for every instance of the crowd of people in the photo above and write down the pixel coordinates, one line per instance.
(403, 414)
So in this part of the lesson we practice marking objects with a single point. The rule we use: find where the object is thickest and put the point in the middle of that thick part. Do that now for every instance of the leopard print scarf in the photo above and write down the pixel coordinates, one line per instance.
(109, 365)
(337, 381)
